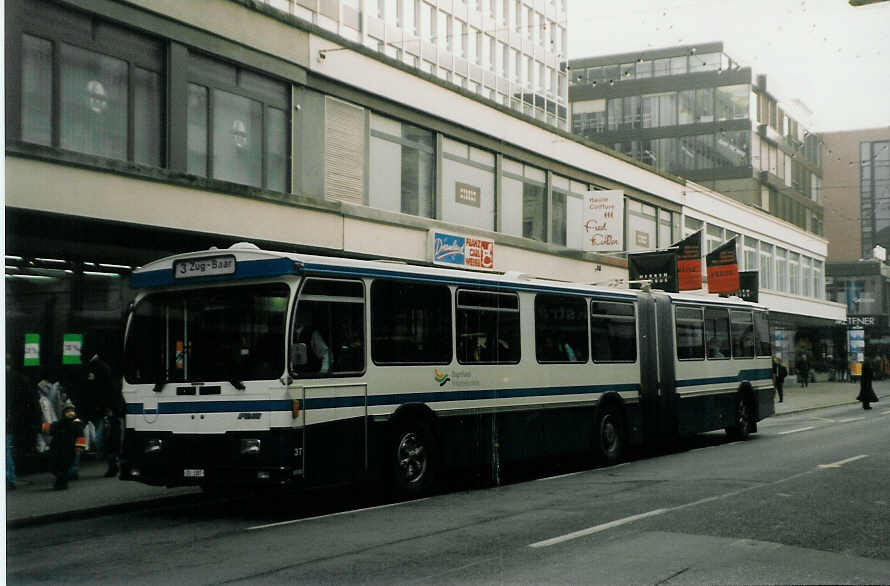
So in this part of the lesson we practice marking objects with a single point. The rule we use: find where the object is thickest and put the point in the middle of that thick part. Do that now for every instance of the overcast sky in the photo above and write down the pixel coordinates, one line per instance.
(834, 57)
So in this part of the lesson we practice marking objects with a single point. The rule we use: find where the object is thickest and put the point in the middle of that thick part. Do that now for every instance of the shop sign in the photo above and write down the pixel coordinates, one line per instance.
(71, 347)
(32, 349)
(467, 194)
(457, 250)
(862, 320)
(603, 220)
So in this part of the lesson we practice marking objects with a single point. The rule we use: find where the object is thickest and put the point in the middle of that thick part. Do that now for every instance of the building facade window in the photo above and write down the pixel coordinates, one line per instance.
(237, 124)
(468, 185)
(641, 229)
(91, 87)
(766, 265)
(524, 193)
(402, 160)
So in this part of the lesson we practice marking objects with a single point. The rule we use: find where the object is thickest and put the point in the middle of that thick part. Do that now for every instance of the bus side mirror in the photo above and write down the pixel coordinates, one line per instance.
(298, 356)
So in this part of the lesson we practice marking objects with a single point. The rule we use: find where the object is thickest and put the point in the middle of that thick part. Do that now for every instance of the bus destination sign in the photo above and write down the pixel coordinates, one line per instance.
(204, 267)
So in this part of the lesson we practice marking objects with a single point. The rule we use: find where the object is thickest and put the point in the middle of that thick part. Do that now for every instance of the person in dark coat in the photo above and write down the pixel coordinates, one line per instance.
(67, 441)
(779, 374)
(866, 391)
(803, 370)
(22, 419)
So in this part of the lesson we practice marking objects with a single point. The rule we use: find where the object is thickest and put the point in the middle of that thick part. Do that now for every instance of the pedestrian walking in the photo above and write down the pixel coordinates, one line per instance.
(22, 419)
(803, 370)
(779, 374)
(866, 391)
(68, 442)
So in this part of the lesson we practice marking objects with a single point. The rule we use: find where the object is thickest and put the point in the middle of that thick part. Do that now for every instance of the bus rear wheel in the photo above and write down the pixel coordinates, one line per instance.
(741, 427)
(413, 460)
(609, 435)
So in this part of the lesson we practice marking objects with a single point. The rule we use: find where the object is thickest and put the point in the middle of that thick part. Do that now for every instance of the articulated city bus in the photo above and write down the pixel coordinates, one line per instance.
(245, 367)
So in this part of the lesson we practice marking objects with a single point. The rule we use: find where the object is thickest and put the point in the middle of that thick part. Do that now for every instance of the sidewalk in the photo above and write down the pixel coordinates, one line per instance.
(35, 502)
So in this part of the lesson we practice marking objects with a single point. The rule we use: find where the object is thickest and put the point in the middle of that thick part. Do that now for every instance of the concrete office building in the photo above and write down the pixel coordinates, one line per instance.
(144, 127)
(857, 204)
(695, 112)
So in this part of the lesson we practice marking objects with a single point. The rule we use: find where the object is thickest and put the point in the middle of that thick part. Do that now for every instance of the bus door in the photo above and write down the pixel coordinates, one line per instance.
(328, 358)
(657, 383)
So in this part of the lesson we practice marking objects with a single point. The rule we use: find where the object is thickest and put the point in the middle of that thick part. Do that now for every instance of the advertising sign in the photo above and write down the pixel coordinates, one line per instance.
(689, 262)
(603, 219)
(457, 250)
(32, 349)
(749, 286)
(723, 269)
(71, 347)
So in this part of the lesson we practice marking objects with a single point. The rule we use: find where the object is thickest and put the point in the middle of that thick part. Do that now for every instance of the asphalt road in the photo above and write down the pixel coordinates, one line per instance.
(806, 500)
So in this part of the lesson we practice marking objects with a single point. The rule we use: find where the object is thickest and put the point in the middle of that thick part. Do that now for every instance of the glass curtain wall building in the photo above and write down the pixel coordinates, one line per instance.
(695, 112)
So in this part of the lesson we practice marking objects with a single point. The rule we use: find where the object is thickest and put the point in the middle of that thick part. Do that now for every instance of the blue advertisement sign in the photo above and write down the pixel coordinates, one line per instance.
(461, 251)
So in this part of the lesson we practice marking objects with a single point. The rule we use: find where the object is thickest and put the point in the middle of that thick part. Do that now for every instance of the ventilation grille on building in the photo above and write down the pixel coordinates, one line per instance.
(344, 151)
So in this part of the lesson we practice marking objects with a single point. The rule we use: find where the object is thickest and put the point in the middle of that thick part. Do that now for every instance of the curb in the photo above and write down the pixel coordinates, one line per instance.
(98, 511)
(824, 406)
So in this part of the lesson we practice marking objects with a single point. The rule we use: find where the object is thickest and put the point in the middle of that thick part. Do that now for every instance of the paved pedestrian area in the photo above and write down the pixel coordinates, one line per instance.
(35, 501)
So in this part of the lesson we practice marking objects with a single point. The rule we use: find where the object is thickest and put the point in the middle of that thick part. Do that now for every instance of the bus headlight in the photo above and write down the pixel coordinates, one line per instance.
(153, 446)
(250, 447)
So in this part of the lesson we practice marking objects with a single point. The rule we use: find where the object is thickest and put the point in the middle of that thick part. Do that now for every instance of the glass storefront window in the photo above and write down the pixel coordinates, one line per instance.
(524, 194)
(731, 148)
(402, 157)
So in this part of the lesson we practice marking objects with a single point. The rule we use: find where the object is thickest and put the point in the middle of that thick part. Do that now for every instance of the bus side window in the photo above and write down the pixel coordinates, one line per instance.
(560, 330)
(613, 332)
(487, 327)
(761, 333)
(742, 328)
(410, 323)
(717, 333)
(690, 333)
(329, 325)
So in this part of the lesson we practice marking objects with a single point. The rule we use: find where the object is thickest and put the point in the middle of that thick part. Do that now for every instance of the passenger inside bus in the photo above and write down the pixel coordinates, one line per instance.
(317, 352)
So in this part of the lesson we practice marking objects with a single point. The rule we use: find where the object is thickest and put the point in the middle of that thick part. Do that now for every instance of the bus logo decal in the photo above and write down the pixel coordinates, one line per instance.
(441, 377)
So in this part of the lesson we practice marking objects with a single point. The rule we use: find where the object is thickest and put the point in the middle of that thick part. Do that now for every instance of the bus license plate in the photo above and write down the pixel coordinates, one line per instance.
(193, 473)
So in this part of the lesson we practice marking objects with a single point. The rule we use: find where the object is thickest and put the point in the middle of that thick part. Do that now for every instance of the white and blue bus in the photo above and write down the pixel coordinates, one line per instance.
(245, 367)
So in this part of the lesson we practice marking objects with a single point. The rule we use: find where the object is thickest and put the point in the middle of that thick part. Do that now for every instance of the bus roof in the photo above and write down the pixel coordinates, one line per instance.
(247, 261)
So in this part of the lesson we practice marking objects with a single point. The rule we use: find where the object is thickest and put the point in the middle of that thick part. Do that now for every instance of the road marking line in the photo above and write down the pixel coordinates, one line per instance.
(656, 512)
(887, 412)
(849, 419)
(366, 509)
(796, 430)
(823, 419)
(597, 528)
(561, 476)
(842, 462)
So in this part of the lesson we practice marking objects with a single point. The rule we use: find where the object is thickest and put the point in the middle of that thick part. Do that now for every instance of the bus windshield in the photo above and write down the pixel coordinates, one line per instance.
(214, 334)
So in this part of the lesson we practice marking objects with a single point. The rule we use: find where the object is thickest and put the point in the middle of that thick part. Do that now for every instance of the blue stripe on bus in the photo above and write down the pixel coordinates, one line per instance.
(752, 374)
(245, 269)
(359, 400)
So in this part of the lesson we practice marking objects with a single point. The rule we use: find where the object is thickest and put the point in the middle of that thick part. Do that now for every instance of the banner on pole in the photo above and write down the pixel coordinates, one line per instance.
(658, 267)
(723, 269)
(689, 262)
(749, 285)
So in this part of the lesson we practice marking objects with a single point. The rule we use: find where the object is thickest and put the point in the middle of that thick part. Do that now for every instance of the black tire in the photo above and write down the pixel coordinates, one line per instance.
(609, 435)
(413, 460)
(743, 418)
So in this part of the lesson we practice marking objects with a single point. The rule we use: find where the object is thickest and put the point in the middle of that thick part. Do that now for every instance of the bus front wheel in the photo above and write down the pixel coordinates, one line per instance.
(609, 435)
(413, 460)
